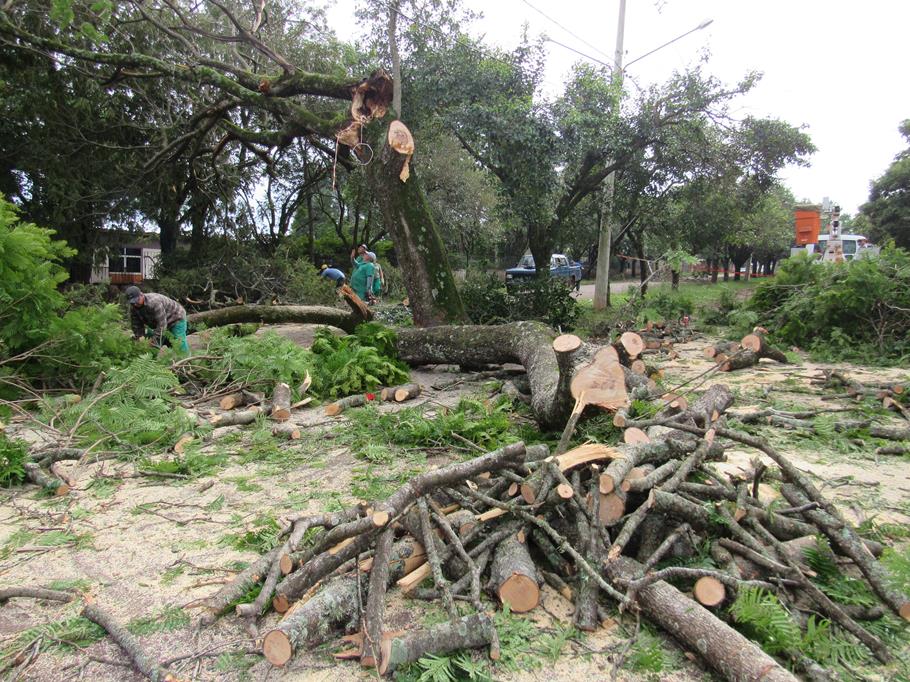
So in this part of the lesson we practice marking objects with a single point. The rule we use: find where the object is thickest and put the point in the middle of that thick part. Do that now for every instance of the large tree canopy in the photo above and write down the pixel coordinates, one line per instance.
(888, 208)
(256, 81)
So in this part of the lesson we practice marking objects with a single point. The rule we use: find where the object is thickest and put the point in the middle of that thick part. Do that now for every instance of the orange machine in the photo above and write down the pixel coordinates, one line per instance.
(808, 224)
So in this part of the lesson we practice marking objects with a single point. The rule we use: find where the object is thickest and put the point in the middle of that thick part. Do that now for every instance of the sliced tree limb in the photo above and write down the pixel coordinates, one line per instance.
(469, 632)
(513, 575)
(8, 593)
(281, 403)
(720, 646)
(286, 431)
(277, 314)
(342, 404)
(138, 655)
(757, 343)
(39, 477)
(371, 622)
(454, 539)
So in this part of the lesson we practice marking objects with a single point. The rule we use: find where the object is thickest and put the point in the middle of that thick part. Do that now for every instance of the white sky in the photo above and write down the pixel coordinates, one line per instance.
(836, 67)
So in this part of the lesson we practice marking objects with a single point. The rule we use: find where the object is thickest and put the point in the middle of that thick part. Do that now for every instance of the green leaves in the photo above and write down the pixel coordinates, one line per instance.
(13, 456)
(761, 615)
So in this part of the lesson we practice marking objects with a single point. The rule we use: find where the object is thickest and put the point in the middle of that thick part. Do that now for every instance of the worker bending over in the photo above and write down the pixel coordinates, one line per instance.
(159, 313)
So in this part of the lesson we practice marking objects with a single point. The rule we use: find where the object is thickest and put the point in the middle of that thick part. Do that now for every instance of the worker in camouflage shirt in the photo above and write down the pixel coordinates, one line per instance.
(160, 313)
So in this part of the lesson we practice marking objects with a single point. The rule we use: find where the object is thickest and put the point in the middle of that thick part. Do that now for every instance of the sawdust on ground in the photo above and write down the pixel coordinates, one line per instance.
(151, 543)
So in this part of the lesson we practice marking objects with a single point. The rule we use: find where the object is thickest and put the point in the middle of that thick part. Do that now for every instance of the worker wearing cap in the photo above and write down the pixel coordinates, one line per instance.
(160, 313)
(333, 274)
(363, 276)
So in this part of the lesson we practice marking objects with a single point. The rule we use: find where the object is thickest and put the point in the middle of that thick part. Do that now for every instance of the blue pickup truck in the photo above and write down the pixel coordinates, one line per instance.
(560, 266)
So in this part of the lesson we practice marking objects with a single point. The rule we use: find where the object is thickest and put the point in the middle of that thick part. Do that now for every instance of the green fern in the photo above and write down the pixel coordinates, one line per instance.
(761, 616)
(829, 645)
(133, 406)
(831, 579)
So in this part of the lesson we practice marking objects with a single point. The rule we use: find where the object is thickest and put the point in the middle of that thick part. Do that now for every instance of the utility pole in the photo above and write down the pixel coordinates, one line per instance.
(605, 237)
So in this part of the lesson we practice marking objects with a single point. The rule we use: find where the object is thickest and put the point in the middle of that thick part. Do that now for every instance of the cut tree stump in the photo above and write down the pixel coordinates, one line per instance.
(709, 591)
(281, 403)
(513, 576)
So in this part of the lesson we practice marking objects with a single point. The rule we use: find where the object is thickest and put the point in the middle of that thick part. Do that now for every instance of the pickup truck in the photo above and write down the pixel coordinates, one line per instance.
(560, 266)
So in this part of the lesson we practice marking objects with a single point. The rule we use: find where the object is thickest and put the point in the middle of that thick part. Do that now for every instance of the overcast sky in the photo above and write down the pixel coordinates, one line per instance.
(836, 67)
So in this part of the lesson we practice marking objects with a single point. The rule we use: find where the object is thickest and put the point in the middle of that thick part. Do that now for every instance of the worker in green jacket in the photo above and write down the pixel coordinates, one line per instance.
(362, 278)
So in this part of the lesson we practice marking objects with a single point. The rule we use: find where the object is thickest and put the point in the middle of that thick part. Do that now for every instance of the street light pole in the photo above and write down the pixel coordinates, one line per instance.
(605, 229)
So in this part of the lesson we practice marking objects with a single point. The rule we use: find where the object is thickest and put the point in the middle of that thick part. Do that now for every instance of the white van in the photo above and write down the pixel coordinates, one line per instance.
(855, 246)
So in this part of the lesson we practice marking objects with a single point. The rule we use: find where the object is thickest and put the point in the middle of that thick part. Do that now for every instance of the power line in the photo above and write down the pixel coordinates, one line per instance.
(577, 37)
(586, 56)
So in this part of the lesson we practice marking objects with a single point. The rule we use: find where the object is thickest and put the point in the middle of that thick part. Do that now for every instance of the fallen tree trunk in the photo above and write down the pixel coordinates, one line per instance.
(277, 314)
(725, 650)
(281, 403)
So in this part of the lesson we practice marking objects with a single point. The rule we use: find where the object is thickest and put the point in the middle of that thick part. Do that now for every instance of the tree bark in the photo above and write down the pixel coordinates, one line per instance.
(428, 278)
(470, 632)
(277, 314)
(725, 650)
(513, 576)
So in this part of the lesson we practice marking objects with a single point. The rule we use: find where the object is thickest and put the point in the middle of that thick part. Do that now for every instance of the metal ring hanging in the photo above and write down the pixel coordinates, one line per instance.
(361, 146)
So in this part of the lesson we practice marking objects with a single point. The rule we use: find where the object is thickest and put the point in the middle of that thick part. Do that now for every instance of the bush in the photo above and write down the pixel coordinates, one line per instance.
(549, 299)
(243, 272)
(856, 309)
(30, 272)
(668, 305)
(13, 456)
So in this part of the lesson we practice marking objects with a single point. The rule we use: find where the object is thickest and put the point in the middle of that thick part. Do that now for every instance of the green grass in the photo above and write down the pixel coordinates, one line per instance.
(168, 619)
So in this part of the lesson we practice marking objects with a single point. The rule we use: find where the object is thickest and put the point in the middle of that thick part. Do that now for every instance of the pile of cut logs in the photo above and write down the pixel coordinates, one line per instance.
(745, 353)
(592, 522)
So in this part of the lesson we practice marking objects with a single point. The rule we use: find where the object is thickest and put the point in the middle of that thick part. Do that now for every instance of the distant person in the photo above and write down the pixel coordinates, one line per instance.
(157, 313)
(378, 277)
(363, 276)
(333, 274)
(358, 257)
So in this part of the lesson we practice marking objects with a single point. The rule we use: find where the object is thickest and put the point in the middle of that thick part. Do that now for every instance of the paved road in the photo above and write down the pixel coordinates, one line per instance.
(587, 290)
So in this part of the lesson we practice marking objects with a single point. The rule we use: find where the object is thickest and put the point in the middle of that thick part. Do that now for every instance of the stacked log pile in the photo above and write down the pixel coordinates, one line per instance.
(592, 522)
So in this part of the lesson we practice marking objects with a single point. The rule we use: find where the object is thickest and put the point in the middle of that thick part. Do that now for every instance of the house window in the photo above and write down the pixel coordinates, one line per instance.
(126, 259)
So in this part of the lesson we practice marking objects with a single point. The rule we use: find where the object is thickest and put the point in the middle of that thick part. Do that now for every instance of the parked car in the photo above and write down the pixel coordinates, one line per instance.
(560, 266)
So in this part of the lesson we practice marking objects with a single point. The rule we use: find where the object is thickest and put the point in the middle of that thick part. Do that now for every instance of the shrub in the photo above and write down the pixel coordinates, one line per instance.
(13, 456)
(243, 272)
(549, 299)
(860, 308)
(30, 272)
(669, 305)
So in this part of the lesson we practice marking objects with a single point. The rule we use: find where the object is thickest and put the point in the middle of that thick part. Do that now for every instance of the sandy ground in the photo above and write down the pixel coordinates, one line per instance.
(147, 544)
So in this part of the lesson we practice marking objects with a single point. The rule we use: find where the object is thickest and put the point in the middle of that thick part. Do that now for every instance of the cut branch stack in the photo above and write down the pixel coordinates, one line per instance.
(592, 522)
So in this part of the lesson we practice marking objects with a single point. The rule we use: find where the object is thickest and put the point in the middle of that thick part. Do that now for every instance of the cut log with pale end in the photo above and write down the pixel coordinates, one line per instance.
(639, 367)
(281, 403)
(469, 632)
(635, 436)
(513, 576)
(237, 417)
(612, 507)
(339, 406)
(636, 474)
(230, 401)
(603, 384)
(286, 431)
(757, 342)
(605, 484)
(182, 443)
(709, 591)
(406, 392)
(38, 476)
(629, 346)
(566, 343)
(697, 629)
